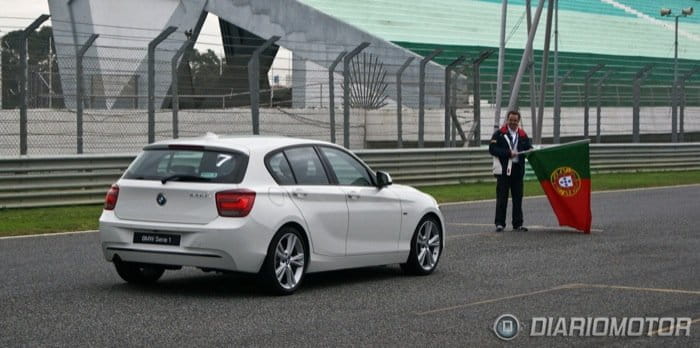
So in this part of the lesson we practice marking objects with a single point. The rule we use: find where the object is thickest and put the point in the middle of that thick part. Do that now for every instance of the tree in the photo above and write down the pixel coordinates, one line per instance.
(38, 59)
(205, 68)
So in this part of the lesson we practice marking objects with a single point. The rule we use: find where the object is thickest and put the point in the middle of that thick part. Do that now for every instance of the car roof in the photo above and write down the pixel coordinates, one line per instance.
(245, 143)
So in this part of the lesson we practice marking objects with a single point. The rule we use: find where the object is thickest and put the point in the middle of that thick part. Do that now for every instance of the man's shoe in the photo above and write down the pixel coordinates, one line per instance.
(499, 228)
(520, 229)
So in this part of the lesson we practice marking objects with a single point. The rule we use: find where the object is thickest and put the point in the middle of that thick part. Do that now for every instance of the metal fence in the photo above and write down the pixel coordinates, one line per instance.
(99, 98)
(84, 179)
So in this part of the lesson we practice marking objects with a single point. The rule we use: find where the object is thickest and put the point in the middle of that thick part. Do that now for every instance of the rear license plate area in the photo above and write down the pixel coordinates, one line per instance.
(156, 238)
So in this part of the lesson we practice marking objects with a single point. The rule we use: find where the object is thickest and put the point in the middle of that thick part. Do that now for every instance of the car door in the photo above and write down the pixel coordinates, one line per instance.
(375, 214)
(322, 205)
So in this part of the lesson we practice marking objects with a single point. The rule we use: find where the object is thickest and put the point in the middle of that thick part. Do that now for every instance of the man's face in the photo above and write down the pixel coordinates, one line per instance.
(513, 121)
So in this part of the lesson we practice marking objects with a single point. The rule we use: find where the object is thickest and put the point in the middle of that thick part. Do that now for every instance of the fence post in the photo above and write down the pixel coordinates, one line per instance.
(399, 102)
(586, 88)
(346, 91)
(674, 108)
(136, 91)
(174, 86)
(331, 92)
(557, 106)
(453, 112)
(79, 91)
(23, 77)
(543, 75)
(681, 120)
(641, 75)
(421, 94)
(531, 70)
(448, 100)
(599, 87)
(524, 60)
(476, 67)
(254, 82)
(152, 81)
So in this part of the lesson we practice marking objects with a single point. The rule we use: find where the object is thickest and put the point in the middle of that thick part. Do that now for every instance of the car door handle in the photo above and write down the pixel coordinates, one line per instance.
(299, 194)
(354, 196)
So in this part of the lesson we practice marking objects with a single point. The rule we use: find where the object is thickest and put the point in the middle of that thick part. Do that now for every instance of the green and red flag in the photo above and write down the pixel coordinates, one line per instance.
(565, 176)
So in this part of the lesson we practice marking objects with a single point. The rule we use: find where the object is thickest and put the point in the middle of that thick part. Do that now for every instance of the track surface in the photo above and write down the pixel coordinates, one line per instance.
(642, 260)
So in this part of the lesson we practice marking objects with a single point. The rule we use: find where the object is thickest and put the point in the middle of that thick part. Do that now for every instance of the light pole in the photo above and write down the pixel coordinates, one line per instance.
(666, 12)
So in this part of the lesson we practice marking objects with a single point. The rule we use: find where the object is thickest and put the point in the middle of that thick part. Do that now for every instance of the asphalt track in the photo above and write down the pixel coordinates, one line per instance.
(642, 260)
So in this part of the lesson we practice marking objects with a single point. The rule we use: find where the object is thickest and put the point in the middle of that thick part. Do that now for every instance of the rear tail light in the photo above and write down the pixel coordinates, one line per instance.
(111, 198)
(235, 203)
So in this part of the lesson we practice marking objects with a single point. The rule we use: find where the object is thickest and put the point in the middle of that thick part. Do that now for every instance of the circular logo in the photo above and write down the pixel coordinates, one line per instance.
(565, 181)
(506, 327)
(160, 199)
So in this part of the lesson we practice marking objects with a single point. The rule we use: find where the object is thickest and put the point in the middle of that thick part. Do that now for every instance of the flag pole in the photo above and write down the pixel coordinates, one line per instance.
(555, 146)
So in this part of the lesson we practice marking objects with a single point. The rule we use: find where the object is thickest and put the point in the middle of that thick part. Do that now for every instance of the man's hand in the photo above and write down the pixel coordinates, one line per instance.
(513, 153)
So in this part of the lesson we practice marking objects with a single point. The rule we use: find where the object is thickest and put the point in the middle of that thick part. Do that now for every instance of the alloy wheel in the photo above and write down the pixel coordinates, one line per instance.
(289, 261)
(428, 245)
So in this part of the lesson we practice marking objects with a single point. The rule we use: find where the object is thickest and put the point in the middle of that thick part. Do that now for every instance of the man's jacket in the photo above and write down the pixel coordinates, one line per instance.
(500, 147)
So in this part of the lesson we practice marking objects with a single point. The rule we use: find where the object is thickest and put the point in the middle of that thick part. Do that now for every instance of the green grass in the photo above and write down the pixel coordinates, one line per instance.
(45, 220)
(80, 218)
(599, 182)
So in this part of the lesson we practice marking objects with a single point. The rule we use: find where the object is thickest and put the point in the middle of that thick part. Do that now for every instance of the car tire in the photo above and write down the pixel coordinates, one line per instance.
(426, 247)
(285, 264)
(138, 273)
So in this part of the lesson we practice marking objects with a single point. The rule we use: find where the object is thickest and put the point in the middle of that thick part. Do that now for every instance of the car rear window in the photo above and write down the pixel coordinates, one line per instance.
(188, 165)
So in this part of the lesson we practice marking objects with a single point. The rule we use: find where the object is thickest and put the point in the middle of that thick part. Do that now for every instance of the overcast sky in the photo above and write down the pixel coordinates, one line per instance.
(17, 14)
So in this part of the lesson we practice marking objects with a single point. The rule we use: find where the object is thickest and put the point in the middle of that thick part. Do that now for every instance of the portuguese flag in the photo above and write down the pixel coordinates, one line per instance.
(565, 176)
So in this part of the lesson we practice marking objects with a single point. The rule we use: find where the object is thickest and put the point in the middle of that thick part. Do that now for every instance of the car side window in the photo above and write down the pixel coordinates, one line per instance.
(280, 169)
(306, 166)
(347, 169)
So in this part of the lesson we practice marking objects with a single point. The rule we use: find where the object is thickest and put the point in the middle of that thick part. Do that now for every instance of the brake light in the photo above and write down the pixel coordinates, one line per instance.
(235, 203)
(111, 198)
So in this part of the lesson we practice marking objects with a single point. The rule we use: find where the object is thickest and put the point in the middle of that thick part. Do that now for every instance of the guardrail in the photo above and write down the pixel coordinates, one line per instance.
(84, 179)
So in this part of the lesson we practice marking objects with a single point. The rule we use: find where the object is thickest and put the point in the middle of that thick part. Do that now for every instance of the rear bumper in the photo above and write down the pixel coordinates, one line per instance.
(225, 243)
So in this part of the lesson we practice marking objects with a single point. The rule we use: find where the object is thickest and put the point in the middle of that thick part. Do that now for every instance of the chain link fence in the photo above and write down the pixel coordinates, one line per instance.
(354, 96)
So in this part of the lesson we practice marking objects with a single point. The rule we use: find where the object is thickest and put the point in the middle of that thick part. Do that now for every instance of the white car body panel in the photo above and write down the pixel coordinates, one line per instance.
(188, 202)
(375, 220)
(342, 232)
(325, 211)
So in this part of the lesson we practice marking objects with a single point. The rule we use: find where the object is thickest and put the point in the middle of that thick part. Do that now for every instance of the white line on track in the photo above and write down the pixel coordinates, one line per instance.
(442, 204)
(531, 227)
(594, 192)
(48, 234)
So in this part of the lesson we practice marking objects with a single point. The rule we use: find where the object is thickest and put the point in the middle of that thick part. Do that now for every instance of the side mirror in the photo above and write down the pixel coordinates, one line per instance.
(383, 179)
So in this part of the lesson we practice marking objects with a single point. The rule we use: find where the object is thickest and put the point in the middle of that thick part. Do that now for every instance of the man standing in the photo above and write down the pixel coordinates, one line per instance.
(506, 146)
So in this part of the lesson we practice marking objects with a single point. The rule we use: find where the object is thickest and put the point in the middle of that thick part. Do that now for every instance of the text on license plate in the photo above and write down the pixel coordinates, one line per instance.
(156, 238)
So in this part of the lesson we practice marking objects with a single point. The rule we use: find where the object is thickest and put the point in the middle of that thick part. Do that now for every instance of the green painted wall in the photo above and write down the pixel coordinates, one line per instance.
(623, 34)
(617, 93)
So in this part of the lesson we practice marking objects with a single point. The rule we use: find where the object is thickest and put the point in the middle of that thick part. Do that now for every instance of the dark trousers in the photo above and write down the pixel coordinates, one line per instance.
(514, 184)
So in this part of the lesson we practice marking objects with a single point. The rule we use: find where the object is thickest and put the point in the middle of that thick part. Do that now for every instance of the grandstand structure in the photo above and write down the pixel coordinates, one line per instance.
(625, 36)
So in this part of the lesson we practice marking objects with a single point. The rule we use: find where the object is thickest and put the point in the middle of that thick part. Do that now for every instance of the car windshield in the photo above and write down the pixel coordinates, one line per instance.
(188, 165)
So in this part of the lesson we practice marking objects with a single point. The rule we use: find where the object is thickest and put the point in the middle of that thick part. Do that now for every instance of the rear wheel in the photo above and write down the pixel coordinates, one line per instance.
(285, 264)
(426, 248)
(138, 273)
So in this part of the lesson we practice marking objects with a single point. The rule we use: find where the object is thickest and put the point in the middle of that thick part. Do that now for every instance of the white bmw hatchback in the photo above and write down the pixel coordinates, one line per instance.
(277, 206)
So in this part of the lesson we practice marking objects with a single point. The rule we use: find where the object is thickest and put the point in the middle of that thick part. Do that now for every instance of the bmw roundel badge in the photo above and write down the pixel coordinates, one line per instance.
(160, 199)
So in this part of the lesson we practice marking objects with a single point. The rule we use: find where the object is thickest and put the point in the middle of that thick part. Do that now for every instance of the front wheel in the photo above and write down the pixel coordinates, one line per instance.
(426, 248)
(285, 264)
(138, 273)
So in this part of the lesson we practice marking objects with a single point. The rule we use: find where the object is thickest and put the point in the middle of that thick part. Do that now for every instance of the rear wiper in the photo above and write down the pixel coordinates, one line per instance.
(183, 176)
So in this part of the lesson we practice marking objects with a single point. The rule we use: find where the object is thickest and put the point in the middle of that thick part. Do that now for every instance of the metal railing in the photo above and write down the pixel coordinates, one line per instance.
(153, 85)
(84, 179)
